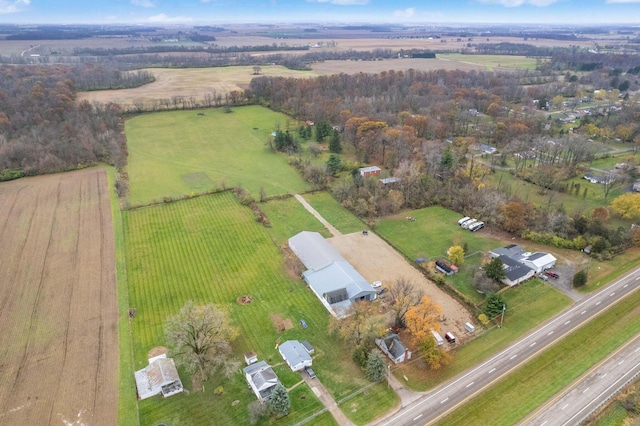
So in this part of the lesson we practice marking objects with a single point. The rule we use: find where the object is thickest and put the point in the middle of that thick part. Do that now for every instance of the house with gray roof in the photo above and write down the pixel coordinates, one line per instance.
(295, 355)
(334, 281)
(515, 272)
(159, 377)
(261, 379)
(538, 261)
(393, 348)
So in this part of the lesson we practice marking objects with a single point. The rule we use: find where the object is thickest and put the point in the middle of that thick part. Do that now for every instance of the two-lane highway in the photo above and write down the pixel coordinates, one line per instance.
(447, 397)
(571, 405)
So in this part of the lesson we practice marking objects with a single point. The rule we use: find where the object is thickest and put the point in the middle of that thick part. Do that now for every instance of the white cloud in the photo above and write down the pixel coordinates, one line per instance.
(404, 13)
(12, 6)
(342, 2)
(517, 3)
(143, 3)
(623, 1)
(164, 18)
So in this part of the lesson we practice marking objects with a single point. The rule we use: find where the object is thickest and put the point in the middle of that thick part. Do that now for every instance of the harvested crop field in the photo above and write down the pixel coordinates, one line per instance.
(58, 311)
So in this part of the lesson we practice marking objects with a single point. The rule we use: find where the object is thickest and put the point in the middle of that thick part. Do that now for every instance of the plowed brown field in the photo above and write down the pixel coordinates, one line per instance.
(58, 307)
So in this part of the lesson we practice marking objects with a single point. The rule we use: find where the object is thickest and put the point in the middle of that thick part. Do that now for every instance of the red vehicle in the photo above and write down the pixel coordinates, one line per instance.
(551, 274)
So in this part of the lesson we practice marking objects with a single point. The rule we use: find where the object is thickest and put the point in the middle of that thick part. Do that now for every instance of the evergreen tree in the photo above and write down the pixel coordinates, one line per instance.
(334, 164)
(376, 366)
(279, 402)
(495, 269)
(494, 305)
(334, 143)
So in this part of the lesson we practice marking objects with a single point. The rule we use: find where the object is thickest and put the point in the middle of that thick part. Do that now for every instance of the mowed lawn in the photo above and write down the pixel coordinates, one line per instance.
(177, 153)
(430, 236)
(211, 249)
(330, 209)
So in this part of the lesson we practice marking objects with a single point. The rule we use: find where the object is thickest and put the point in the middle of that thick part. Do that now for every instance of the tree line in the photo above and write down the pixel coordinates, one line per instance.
(43, 129)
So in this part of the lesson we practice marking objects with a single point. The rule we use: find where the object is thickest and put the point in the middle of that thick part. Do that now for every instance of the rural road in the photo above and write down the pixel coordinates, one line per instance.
(444, 399)
(593, 388)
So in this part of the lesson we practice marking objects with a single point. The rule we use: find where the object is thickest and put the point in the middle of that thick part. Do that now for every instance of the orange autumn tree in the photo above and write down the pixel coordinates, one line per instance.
(422, 318)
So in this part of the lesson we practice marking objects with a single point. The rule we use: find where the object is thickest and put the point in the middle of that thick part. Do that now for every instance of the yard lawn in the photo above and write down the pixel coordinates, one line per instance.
(370, 403)
(528, 306)
(542, 377)
(172, 154)
(211, 249)
(342, 219)
(430, 236)
(288, 217)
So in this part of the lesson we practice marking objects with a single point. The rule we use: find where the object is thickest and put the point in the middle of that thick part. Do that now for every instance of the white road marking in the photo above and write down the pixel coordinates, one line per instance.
(637, 278)
(565, 406)
(637, 349)
(469, 384)
(550, 333)
(583, 312)
(543, 423)
(514, 356)
(599, 302)
(417, 417)
(567, 322)
(604, 375)
(620, 363)
(493, 369)
(444, 400)
(626, 285)
(532, 345)
(612, 294)
(586, 389)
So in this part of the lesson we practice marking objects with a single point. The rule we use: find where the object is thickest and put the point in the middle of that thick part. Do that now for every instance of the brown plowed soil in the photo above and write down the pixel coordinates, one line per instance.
(58, 311)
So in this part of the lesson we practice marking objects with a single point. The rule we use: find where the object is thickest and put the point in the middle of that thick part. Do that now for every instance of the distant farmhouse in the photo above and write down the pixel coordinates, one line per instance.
(521, 265)
(366, 172)
(261, 379)
(333, 280)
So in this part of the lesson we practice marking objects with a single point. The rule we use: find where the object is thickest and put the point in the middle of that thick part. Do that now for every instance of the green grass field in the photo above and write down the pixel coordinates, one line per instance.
(529, 305)
(492, 61)
(288, 217)
(342, 219)
(541, 378)
(430, 236)
(177, 153)
(210, 249)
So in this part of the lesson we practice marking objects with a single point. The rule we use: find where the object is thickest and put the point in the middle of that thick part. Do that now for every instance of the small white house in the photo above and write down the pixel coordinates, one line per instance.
(295, 355)
(159, 377)
(261, 379)
(393, 348)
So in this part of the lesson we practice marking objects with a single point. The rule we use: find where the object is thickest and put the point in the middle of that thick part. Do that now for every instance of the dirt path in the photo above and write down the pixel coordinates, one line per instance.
(327, 400)
(378, 261)
(317, 215)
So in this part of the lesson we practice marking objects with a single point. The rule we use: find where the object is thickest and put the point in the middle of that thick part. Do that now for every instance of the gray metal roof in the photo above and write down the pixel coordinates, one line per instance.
(338, 276)
(514, 269)
(295, 354)
(313, 250)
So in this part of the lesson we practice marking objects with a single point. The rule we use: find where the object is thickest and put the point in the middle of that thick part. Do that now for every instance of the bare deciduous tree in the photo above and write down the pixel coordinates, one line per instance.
(404, 295)
(199, 338)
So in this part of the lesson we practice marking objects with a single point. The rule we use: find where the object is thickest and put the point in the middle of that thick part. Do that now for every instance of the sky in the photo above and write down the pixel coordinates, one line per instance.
(196, 12)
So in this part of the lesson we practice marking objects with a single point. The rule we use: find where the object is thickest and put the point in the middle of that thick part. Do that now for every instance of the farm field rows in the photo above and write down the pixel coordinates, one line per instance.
(172, 154)
(58, 315)
(211, 249)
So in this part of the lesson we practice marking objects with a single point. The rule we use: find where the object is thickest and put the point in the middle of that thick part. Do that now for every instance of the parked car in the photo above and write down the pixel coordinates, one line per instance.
(543, 277)
(463, 220)
(376, 284)
(552, 274)
(467, 224)
(310, 372)
(476, 226)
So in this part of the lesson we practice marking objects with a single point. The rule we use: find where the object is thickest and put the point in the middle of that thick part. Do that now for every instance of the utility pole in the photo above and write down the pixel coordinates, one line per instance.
(504, 307)
(388, 376)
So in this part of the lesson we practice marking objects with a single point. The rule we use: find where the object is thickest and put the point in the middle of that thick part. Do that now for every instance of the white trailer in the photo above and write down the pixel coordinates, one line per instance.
(438, 337)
